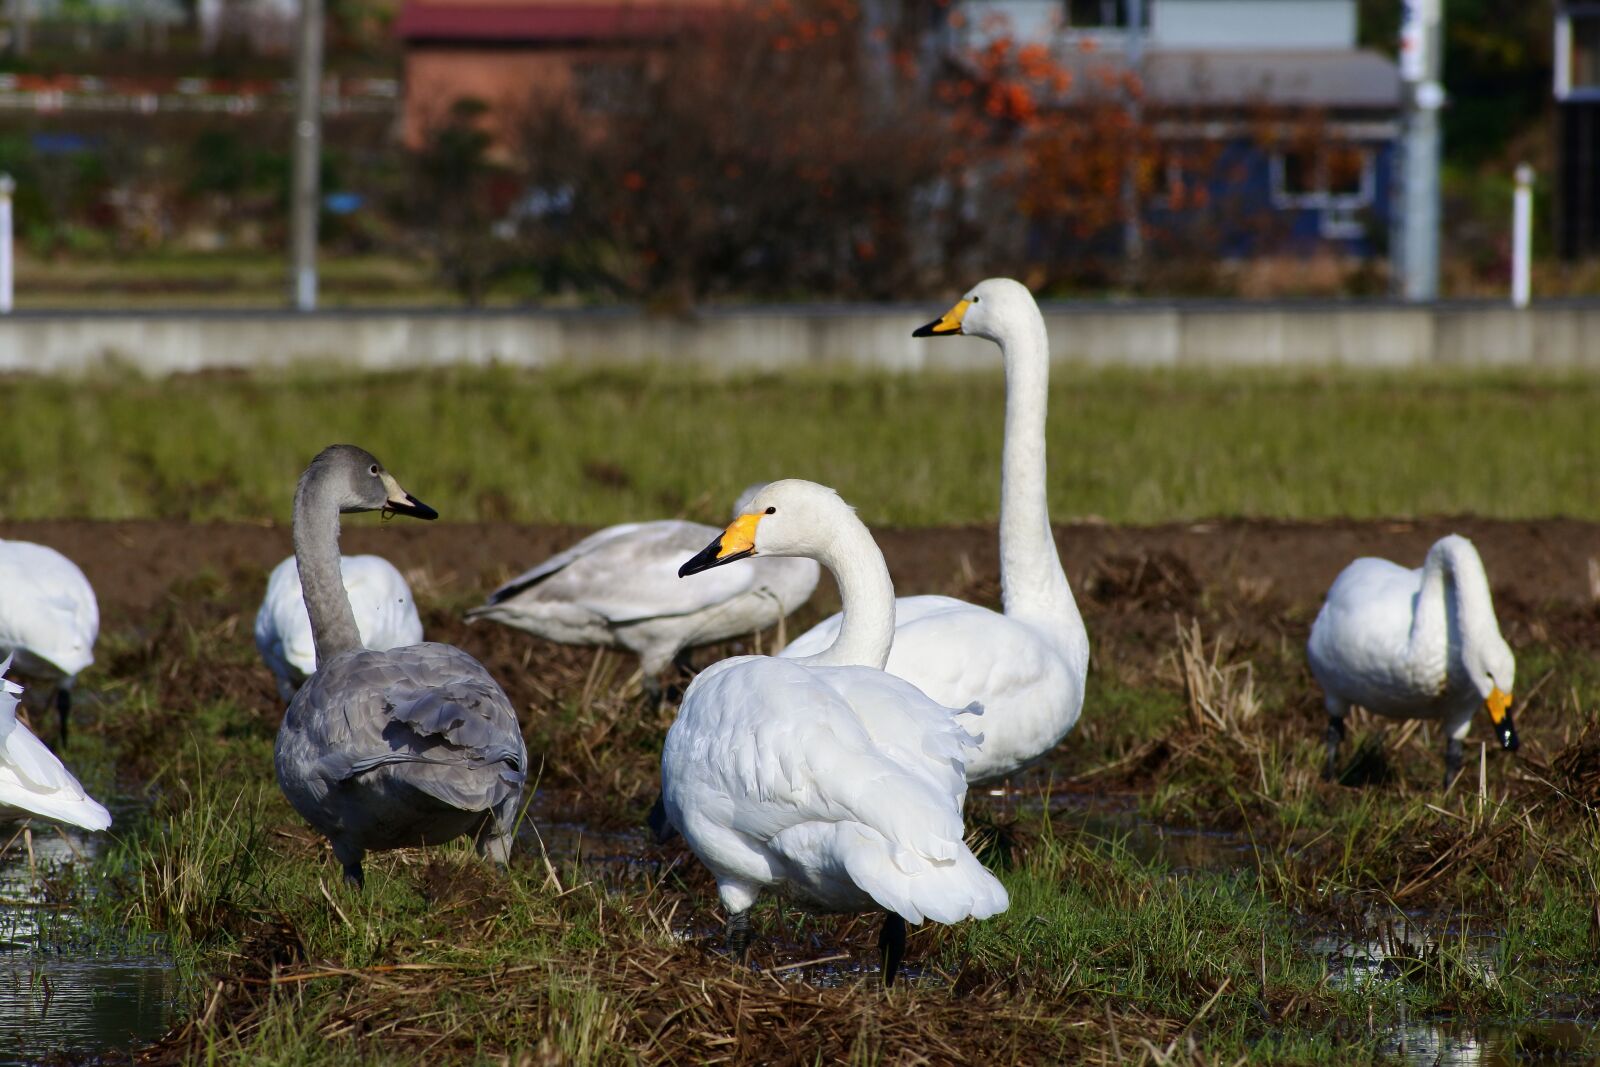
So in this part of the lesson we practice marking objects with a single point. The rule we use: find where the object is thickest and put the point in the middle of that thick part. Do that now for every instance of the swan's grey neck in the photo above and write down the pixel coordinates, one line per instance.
(1454, 600)
(316, 554)
(866, 599)
(1032, 584)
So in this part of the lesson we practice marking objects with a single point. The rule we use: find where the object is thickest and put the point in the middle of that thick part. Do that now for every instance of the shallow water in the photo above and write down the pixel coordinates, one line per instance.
(1443, 1044)
(64, 992)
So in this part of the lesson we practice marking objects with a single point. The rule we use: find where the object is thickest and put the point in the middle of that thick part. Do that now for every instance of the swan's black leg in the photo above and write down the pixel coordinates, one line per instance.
(661, 827)
(892, 946)
(652, 690)
(736, 935)
(354, 875)
(1334, 735)
(1452, 760)
(63, 710)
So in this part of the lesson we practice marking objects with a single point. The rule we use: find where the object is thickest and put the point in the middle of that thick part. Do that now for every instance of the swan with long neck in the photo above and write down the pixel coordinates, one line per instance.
(1026, 666)
(1414, 644)
(388, 749)
(824, 777)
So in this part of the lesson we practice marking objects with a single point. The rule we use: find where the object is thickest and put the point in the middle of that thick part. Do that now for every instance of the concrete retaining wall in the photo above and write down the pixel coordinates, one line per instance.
(1155, 335)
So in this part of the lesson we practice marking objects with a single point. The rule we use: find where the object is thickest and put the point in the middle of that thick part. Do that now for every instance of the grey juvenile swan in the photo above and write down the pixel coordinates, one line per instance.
(412, 746)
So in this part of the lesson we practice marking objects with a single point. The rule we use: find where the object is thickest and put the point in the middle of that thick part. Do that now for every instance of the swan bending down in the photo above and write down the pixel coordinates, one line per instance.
(49, 620)
(619, 588)
(1414, 644)
(31, 778)
(378, 750)
(1026, 667)
(386, 616)
(824, 777)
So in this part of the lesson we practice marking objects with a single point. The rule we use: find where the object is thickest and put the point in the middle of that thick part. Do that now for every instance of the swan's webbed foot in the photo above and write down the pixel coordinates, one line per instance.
(1452, 760)
(661, 828)
(355, 876)
(653, 691)
(63, 711)
(736, 935)
(1333, 736)
(891, 946)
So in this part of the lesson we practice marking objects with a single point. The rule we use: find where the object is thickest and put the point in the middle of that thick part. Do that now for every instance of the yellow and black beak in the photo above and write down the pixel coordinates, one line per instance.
(401, 502)
(736, 542)
(948, 325)
(1499, 707)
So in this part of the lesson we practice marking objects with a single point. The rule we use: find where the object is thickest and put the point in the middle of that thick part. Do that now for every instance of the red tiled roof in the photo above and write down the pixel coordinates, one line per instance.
(421, 20)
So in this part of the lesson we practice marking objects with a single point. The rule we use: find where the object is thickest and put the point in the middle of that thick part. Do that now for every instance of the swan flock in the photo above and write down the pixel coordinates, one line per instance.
(833, 773)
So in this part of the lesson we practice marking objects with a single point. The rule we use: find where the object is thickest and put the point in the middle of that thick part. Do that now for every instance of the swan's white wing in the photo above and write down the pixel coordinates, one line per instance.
(785, 746)
(32, 778)
(386, 614)
(1359, 644)
(630, 573)
(47, 607)
(907, 609)
(961, 654)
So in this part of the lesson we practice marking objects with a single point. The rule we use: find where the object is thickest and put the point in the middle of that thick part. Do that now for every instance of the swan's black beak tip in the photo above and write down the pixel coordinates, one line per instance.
(926, 331)
(1508, 735)
(411, 506)
(709, 557)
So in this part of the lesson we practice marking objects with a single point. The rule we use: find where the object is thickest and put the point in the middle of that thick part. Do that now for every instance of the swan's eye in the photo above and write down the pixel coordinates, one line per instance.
(772, 511)
(374, 470)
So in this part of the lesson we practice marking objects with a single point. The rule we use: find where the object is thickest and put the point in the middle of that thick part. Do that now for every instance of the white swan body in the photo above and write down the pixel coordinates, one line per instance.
(1414, 644)
(32, 779)
(824, 778)
(399, 748)
(386, 615)
(49, 619)
(619, 588)
(1027, 667)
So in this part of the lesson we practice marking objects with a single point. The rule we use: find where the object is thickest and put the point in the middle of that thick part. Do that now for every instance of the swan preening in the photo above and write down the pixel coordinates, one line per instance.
(32, 779)
(379, 750)
(619, 588)
(1026, 667)
(49, 620)
(824, 777)
(1415, 644)
(385, 612)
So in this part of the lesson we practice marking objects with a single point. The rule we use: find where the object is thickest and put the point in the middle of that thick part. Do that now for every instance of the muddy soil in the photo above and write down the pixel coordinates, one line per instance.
(1283, 567)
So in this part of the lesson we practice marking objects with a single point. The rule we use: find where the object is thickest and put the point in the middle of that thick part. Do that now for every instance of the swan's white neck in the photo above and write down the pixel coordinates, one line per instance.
(316, 554)
(1454, 600)
(866, 599)
(1033, 586)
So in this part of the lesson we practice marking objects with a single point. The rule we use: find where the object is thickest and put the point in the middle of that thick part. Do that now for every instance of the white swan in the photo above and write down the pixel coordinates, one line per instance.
(49, 620)
(1414, 644)
(386, 615)
(619, 588)
(378, 750)
(1026, 667)
(824, 777)
(31, 778)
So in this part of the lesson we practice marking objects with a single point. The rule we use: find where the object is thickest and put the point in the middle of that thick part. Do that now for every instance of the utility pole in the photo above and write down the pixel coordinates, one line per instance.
(1132, 234)
(1421, 48)
(307, 157)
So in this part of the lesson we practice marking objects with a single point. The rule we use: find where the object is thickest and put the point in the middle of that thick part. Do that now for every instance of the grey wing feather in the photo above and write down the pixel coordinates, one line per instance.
(430, 706)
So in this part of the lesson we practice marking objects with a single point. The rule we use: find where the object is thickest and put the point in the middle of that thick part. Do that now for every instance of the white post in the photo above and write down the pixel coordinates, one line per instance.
(1522, 238)
(7, 186)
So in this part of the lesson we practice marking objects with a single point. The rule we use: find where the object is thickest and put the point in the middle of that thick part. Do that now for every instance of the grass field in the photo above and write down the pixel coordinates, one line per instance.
(499, 444)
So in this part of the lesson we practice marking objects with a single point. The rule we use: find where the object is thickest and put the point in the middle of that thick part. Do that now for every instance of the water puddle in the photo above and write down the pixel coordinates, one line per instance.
(1546, 1041)
(63, 992)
